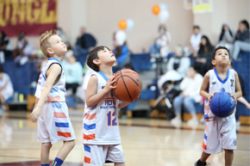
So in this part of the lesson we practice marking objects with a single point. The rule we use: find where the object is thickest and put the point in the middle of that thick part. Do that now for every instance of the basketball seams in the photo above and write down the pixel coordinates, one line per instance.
(132, 79)
(131, 99)
(128, 85)
(219, 103)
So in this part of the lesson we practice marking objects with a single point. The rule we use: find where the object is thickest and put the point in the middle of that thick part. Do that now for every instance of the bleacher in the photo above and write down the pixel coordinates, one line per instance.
(22, 77)
(242, 66)
(142, 64)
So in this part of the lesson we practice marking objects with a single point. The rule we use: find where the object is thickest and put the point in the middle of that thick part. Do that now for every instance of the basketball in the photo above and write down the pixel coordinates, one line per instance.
(128, 85)
(222, 104)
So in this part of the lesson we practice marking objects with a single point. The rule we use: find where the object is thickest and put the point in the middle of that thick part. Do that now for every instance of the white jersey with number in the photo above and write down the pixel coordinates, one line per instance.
(54, 123)
(220, 133)
(217, 85)
(100, 123)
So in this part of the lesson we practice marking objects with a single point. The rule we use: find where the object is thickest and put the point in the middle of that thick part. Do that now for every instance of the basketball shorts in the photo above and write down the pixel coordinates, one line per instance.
(97, 155)
(54, 124)
(220, 134)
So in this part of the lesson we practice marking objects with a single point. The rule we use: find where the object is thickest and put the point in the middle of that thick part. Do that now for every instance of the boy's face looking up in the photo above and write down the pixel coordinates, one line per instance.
(221, 57)
(56, 46)
(106, 56)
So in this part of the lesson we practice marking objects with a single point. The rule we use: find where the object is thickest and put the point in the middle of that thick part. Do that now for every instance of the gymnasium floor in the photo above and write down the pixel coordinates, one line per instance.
(146, 143)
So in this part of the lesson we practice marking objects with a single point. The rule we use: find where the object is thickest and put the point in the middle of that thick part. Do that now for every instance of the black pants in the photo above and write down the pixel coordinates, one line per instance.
(72, 86)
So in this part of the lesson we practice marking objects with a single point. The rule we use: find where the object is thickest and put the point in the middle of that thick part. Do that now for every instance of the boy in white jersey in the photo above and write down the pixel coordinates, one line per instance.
(220, 133)
(101, 135)
(51, 111)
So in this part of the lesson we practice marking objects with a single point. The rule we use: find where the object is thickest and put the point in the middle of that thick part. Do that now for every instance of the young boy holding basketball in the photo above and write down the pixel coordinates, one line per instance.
(101, 135)
(50, 111)
(220, 133)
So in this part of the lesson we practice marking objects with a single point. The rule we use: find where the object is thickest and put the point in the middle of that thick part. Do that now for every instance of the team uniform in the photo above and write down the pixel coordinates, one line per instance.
(220, 133)
(54, 123)
(101, 135)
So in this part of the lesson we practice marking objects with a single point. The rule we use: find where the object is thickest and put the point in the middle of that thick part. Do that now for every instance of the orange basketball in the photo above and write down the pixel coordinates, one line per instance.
(128, 85)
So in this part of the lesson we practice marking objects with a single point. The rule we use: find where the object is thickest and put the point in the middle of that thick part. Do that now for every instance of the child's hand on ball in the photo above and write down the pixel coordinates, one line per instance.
(111, 84)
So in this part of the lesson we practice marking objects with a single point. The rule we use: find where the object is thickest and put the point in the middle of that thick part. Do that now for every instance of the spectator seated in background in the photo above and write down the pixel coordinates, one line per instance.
(189, 96)
(6, 88)
(169, 86)
(203, 58)
(179, 62)
(73, 78)
(85, 40)
(23, 50)
(4, 52)
(4, 40)
(161, 44)
(242, 39)
(73, 72)
(195, 39)
(121, 51)
(226, 37)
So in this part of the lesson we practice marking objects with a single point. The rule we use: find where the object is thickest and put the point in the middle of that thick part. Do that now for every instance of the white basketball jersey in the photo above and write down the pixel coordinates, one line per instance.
(57, 92)
(100, 123)
(216, 84)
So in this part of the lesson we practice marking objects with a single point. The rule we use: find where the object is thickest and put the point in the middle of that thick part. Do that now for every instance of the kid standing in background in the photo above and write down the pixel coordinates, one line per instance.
(51, 111)
(101, 135)
(220, 133)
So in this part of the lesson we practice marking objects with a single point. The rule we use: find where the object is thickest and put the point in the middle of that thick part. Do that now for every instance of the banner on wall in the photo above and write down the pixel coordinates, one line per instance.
(29, 16)
(202, 6)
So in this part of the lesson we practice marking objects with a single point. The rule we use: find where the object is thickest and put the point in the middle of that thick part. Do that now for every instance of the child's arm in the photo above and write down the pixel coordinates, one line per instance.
(238, 92)
(244, 101)
(52, 74)
(204, 87)
(92, 97)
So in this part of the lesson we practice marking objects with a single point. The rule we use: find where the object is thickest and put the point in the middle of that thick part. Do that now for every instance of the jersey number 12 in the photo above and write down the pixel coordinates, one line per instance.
(112, 120)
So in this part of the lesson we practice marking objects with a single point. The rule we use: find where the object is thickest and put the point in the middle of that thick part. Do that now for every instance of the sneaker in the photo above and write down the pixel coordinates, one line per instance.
(200, 163)
(176, 122)
(193, 123)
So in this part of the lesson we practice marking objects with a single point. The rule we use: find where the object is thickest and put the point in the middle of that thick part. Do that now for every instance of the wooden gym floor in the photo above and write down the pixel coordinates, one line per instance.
(146, 142)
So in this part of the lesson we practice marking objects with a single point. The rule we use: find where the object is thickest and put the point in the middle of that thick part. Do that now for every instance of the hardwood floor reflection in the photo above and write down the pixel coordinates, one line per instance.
(146, 142)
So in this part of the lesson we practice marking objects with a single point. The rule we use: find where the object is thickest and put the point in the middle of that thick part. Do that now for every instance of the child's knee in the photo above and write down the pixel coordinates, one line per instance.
(47, 145)
(229, 151)
(119, 164)
(71, 144)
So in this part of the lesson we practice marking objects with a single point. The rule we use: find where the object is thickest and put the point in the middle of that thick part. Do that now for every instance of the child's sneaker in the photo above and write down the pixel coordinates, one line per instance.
(193, 123)
(200, 163)
(176, 122)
